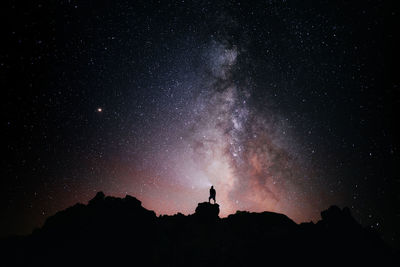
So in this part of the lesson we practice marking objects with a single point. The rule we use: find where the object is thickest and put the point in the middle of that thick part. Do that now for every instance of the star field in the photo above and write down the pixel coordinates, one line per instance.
(282, 106)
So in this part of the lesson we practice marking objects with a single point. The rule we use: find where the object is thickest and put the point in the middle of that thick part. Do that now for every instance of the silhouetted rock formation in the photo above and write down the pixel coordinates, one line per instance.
(115, 231)
(207, 212)
(334, 217)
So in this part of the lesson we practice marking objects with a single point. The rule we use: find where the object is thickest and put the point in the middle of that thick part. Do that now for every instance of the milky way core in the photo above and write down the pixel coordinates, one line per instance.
(249, 156)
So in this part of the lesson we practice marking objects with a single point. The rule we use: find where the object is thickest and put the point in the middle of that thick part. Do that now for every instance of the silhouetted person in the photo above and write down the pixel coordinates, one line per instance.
(212, 194)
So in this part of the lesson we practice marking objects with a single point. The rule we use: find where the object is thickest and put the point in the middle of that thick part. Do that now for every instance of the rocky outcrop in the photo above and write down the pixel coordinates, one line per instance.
(207, 212)
(119, 231)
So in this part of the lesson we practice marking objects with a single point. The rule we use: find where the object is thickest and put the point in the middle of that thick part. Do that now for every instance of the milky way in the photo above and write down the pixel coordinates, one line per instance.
(249, 156)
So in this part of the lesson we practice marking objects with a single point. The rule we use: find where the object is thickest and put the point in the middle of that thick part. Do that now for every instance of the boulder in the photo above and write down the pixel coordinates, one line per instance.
(207, 212)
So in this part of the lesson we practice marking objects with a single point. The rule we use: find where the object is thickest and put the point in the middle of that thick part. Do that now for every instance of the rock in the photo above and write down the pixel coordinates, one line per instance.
(132, 201)
(336, 218)
(97, 199)
(207, 211)
(119, 231)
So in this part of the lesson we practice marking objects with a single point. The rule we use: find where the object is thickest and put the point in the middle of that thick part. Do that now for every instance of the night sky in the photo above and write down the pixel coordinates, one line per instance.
(284, 106)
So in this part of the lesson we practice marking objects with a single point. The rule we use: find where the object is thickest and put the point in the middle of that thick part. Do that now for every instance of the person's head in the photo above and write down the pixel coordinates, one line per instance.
(212, 186)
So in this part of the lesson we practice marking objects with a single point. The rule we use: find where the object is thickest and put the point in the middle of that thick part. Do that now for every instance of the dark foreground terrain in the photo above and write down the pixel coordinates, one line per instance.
(120, 232)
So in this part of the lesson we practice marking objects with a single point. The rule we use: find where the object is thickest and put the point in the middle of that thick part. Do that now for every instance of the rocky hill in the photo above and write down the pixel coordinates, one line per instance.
(119, 231)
